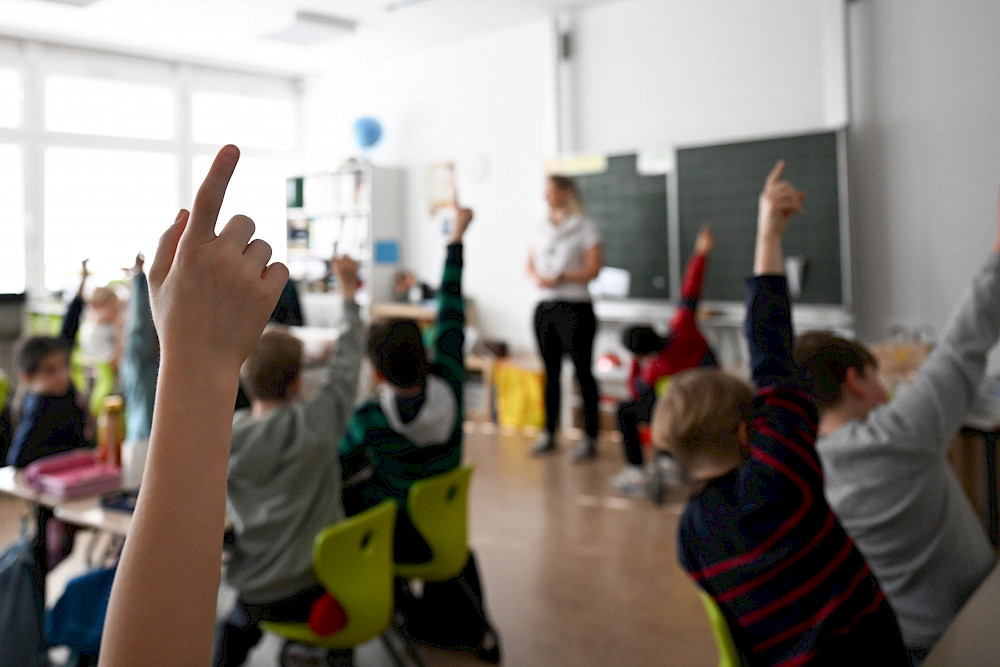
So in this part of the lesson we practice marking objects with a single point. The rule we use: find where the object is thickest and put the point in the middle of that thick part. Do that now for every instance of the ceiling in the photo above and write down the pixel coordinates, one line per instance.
(232, 32)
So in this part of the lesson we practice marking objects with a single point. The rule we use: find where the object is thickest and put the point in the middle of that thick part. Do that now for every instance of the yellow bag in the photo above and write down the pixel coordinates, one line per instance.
(520, 395)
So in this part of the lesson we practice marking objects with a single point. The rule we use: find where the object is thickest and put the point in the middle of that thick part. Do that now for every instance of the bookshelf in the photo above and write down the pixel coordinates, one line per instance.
(358, 207)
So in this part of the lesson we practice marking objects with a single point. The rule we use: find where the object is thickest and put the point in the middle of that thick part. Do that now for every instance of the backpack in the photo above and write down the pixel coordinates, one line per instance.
(22, 641)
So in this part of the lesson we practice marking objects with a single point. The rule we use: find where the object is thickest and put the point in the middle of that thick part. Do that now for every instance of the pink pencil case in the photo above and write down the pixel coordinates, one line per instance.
(73, 475)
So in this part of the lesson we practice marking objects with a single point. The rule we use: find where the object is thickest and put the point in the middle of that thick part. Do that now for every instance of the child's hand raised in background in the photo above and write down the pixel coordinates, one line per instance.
(346, 270)
(779, 201)
(212, 295)
(705, 241)
(463, 218)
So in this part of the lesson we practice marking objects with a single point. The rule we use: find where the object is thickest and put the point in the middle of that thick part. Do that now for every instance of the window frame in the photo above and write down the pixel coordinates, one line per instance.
(36, 60)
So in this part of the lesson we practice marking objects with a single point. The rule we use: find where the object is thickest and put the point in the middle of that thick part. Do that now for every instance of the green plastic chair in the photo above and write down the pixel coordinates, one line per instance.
(661, 385)
(353, 561)
(4, 388)
(438, 507)
(729, 655)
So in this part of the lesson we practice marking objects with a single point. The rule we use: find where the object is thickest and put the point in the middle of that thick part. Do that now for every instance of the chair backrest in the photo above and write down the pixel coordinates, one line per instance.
(729, 655)
(439, 507)
(353, 561)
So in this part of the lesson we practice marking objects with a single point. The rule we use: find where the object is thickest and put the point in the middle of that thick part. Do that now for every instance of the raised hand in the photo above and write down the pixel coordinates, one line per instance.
(463, 218)
(212, 295)
(778, 202)
(346, 270)
(705, 241)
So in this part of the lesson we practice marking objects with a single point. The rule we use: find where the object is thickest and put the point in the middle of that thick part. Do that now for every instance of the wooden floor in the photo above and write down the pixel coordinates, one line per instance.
(574, 574)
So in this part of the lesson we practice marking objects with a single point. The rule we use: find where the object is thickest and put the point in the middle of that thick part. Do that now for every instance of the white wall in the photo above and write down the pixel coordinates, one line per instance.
(924, 150)
(654, 74)
(485, 102)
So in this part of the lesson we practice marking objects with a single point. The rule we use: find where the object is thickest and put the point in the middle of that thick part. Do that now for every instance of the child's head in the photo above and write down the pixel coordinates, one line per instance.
(835, 365)
(641, 340)
(43, 365)
(703, 420)
(397, 353)
(271, 371)
(402, 281)
(105, 303)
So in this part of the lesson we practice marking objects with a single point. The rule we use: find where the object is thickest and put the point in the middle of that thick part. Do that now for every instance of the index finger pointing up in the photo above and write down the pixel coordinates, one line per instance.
(208, 201)
(775, 174)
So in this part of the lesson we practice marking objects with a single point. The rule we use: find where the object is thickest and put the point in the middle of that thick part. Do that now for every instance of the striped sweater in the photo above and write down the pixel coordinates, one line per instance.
(762, 540)
(396, 459)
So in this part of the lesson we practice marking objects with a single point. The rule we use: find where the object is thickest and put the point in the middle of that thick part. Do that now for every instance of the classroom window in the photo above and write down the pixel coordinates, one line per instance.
(105, 206)
(12, 215)
(11, 98)
(259, 122)
(108, 107)
(257, 190)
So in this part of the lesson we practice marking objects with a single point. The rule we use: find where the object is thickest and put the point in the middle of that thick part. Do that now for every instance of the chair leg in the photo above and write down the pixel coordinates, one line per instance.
(391, 649)
(408, 643)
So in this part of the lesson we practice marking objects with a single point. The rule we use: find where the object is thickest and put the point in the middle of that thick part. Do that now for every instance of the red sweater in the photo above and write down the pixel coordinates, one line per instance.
(686, 347)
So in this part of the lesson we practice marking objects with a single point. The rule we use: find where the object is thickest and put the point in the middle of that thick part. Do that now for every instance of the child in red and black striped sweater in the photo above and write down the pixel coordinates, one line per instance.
(757, 534)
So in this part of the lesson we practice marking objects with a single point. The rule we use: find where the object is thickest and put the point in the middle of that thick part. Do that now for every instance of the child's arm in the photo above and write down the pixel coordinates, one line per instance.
(684, 325)
(330, 409)
(211, 298)
(769, 323)
(141, 332)
(450, 339)
(71, 320)
(927, 413)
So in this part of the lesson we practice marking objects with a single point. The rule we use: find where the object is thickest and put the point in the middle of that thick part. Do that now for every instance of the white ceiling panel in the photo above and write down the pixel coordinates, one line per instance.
(234, 32)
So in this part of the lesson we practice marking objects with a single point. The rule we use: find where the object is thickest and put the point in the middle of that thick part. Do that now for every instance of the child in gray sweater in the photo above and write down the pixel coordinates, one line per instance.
(284, 477)
(887, 475)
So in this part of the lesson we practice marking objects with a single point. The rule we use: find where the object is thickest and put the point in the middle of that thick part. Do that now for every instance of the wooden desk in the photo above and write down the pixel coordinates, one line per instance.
(86, 512)
(409, 311)
(972, 639)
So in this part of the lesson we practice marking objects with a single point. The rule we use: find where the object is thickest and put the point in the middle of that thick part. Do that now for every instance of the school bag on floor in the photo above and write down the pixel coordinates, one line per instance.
(22, 642)
(77, 619)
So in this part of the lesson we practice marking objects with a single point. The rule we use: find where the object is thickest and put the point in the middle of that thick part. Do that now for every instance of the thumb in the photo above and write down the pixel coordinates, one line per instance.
(166, 249)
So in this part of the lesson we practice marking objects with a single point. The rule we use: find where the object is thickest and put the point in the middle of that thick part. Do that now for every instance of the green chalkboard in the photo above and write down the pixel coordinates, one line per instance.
(720, 185)
(631, 211)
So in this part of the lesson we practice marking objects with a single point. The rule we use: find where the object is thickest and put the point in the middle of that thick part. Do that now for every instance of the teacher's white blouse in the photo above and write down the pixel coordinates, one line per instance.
(556, 249)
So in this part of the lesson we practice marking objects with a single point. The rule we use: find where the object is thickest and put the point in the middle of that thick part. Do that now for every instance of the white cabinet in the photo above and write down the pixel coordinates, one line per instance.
(359, 208)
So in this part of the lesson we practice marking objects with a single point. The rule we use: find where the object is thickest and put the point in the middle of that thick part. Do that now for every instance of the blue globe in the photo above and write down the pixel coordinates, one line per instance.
(367, 131)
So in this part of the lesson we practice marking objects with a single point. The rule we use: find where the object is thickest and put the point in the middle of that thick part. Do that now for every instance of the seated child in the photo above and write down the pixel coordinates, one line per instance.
(887, 476)
(284, 477)
(46, 415)
(414, 428)
(656, 358)
(101, 332)
(757, 534)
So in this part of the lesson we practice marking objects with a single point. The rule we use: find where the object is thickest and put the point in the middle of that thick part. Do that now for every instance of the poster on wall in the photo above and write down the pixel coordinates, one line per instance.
(441, 187)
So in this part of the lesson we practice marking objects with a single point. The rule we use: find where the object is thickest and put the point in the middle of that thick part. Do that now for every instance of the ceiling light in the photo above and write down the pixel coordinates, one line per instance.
(311, 28)
(74, 3)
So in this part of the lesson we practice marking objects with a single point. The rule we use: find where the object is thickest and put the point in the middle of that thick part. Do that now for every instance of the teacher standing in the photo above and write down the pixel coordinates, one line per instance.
(565, 254)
